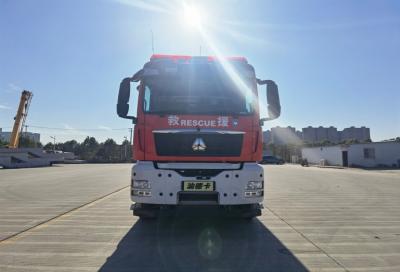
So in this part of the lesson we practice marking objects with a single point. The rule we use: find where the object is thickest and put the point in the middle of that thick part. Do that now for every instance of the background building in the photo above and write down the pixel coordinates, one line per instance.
(267, 137)
(289, 135)
(358, 155)
(361, 134)
(6, 135)
(284, 135)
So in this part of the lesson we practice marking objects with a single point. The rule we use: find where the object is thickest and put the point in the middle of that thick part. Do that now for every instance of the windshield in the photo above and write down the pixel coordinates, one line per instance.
(198, 89)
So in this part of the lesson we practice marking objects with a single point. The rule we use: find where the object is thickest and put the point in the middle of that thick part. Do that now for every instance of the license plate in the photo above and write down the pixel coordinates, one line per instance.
(199, 186)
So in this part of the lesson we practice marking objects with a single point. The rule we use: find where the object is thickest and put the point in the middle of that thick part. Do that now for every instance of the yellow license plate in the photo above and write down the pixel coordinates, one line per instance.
(200, 186)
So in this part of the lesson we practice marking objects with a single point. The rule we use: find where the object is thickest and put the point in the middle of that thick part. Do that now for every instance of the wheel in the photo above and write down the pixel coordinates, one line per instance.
(146, 211)
(247, 212)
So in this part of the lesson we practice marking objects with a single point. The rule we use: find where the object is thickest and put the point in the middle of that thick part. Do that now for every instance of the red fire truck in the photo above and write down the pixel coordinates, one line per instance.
(198, 134)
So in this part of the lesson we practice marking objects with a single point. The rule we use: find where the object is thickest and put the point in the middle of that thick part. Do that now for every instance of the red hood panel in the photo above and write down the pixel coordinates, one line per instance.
(201, 123)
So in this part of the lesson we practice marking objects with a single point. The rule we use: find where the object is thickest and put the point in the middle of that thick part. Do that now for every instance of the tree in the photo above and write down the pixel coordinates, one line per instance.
(70, 146)
(48, 146)
(89, 148)
(108, 151)
(352, 141)
(3, 143)
(93, 151)
(127, 150)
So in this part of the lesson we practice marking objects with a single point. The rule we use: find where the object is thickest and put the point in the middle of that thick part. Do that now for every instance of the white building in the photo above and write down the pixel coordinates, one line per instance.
(6, 135)
(377, 154)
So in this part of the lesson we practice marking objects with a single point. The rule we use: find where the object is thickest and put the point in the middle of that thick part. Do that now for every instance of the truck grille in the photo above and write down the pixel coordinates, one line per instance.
(181, 144)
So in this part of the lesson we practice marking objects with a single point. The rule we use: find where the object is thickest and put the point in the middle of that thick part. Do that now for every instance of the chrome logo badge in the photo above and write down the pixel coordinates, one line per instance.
(199, 145)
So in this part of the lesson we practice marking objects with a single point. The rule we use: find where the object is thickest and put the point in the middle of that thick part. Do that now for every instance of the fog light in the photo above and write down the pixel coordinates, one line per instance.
(259, 193)
(141, 184)
(141, 193)
(254, 185)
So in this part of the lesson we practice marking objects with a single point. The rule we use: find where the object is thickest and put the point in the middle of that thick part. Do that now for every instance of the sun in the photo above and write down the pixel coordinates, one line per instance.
(192, 16)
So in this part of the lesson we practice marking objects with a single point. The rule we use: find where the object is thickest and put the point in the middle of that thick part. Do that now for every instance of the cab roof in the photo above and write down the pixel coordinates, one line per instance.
(186, 58)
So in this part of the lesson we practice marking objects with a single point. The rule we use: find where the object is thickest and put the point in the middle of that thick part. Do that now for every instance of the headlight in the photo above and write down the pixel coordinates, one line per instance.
(141, 184)
(254, 185)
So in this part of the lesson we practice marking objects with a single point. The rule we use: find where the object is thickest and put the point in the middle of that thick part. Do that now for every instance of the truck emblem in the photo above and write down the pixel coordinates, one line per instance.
(199, 145)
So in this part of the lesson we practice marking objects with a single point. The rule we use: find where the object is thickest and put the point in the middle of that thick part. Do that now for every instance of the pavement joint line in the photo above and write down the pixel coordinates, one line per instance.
(16, 235)
(307, 239)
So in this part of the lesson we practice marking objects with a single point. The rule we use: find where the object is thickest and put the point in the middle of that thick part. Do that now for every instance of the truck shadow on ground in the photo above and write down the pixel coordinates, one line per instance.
(200, 243)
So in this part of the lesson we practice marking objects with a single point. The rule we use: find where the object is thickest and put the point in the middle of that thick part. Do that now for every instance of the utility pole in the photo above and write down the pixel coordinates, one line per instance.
(125, 139)
(54, 145)
(131, 137)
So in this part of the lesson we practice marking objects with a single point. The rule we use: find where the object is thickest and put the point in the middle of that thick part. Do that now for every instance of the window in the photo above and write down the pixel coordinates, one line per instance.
(369, 153)
(146, 99)
(198, 90)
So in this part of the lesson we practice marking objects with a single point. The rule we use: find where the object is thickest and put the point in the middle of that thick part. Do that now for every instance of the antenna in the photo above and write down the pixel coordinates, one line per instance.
(152, 41)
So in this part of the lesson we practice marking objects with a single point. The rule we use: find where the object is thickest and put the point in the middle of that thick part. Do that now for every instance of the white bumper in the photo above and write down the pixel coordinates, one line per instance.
(166, 182)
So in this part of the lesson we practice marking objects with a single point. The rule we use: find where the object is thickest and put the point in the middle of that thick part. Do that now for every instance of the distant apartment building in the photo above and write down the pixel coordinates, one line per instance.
(6, 135)
(319, 134)
(267, 137)
(289, 135)
(361, 134)
(282, 135)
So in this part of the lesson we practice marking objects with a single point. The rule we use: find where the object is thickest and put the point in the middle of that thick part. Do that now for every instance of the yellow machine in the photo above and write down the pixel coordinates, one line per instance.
(20, 118)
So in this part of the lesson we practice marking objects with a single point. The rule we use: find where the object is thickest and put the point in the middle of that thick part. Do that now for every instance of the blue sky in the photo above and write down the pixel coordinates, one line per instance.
(336, 62)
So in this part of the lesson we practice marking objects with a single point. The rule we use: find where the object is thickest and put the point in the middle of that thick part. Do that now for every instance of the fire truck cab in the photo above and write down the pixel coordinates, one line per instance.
(198, 134)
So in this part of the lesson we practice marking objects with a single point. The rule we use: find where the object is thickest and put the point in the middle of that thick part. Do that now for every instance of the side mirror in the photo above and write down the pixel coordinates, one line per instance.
(274, 104)
(123, 99)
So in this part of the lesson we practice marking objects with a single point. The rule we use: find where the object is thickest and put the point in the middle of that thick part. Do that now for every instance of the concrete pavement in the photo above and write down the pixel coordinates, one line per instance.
(314, 219)
(32, 195)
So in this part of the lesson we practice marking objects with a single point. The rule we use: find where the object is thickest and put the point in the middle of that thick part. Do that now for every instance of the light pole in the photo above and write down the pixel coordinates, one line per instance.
(54, 145)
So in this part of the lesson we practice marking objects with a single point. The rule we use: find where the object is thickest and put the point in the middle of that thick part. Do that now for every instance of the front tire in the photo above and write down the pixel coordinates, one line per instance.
(146, 211)
(248, 211)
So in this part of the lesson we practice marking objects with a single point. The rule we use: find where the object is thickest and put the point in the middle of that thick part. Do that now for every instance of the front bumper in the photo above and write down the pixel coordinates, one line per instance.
(166, 180)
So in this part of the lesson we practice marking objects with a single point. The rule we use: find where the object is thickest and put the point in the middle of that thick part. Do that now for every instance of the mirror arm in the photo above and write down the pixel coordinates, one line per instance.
(262, 120)
(137, 76)
(133, 118)
(266, 119)
(264, 82)
(260, 82)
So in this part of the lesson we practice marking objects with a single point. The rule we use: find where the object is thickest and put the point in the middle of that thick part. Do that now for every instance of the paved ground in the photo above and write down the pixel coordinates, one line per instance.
(315, 219)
